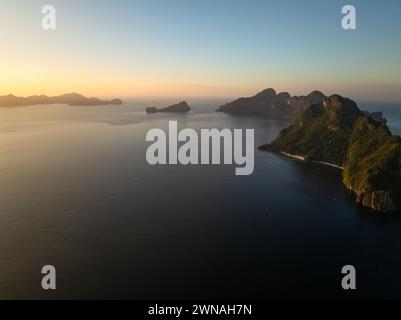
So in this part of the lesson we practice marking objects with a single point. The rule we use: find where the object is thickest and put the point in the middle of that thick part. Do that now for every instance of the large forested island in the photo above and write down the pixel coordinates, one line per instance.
(270, 104)
(72, 99)
(335, 131)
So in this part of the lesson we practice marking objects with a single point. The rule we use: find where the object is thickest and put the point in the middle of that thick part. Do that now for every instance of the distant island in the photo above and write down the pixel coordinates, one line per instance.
(181, 107)
(72, 99)
(336, 132)
(270, 104)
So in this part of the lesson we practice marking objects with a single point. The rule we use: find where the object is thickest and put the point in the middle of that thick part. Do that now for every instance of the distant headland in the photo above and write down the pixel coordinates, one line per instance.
(72, 99)
(269, 104)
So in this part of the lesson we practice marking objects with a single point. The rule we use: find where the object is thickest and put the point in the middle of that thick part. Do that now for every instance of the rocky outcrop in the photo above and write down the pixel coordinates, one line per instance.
(383, 201)
(377, 116)
(181, 107)
(379, 200)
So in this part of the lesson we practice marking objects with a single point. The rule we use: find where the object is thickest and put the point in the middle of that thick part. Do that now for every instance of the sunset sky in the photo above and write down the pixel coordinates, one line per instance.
(201, 48)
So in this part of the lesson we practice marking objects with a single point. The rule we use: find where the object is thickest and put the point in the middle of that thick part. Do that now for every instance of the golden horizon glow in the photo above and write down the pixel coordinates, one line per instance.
(189, 51)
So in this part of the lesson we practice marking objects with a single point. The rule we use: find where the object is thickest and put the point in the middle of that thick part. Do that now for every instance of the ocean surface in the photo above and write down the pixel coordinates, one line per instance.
(76, 192)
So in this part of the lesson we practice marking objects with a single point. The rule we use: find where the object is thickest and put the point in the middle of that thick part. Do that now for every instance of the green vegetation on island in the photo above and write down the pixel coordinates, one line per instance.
(337, 132)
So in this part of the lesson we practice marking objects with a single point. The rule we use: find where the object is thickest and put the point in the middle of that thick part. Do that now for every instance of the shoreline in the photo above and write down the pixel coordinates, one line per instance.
(293, 156)
(315, 161)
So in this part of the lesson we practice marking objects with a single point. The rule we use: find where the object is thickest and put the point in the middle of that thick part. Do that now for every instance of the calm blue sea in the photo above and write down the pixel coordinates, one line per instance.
(76, 192)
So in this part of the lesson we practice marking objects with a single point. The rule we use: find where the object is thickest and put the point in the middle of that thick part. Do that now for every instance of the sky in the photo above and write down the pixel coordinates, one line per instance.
(202, 48)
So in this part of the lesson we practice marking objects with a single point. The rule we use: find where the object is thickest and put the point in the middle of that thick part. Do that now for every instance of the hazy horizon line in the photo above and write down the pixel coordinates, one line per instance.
(202, 97)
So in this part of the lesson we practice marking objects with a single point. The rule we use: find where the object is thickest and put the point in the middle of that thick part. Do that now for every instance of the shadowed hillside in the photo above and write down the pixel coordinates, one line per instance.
(337, 132)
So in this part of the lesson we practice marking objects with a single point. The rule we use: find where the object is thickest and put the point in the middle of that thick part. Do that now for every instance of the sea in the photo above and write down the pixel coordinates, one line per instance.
(77, 193)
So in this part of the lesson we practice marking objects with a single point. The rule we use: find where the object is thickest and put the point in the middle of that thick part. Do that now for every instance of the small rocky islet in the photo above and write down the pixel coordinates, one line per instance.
(181, 107)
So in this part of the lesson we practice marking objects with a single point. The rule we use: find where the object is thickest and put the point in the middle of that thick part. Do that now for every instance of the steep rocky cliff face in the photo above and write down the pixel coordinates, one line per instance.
(336, 131)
